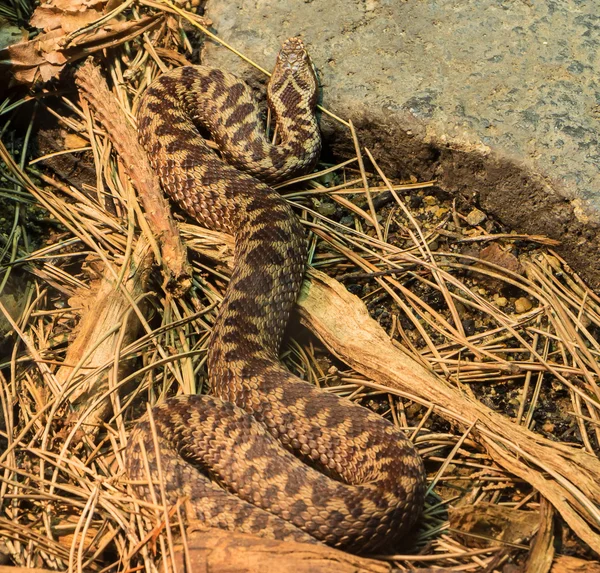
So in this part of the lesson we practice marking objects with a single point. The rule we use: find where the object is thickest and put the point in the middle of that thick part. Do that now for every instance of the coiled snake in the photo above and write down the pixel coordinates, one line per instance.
(353, 480)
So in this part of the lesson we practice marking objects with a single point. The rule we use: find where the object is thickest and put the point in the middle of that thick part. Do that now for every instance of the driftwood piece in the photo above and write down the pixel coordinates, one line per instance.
(108, 322)
(220, 551)
(172, 256)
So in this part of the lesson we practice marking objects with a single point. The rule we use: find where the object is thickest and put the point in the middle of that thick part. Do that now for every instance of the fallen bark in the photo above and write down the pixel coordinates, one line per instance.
(172, 256)
(220, 551)
(107, 323)
(566, 564)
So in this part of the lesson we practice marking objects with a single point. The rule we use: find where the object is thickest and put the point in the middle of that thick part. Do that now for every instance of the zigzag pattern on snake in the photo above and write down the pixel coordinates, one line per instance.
(288, 461)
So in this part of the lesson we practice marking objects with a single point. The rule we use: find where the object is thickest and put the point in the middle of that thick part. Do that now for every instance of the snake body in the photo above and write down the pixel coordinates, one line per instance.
(287, 461)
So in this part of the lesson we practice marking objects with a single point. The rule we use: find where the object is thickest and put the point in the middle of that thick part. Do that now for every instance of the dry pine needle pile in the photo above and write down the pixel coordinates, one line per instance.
(482, 344)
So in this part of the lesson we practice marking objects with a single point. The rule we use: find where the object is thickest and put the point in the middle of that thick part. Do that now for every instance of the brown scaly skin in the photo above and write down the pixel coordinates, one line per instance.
(370, 485)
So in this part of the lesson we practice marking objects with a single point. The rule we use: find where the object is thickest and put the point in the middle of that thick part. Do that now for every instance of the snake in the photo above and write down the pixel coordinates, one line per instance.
(265, 453)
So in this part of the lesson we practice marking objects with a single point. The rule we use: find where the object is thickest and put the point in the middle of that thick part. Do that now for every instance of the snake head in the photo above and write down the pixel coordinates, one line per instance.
(293, 72)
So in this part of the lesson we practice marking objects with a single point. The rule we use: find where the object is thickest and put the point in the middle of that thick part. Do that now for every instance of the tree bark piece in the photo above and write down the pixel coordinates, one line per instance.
(220, 551)
(566, 564)
(172, 256)
(107, 321)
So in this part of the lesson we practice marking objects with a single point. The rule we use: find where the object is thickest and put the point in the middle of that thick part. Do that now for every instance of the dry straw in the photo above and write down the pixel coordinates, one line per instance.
(102, 330)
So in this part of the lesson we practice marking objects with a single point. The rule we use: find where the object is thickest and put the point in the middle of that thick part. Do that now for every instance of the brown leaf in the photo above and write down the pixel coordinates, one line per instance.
(494, 254)
(73, 141)
(42, 58)
(29, 60)
(73, 5)
(52, 18)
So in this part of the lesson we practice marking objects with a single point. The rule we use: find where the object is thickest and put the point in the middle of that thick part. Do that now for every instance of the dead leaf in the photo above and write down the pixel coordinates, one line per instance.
(73, 141)
(50, 18)
(72, 5)
(43, 58)
(494, 254)
(29, 60)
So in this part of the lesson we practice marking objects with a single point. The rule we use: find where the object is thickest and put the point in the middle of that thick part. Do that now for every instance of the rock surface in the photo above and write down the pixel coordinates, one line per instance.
(499, 101)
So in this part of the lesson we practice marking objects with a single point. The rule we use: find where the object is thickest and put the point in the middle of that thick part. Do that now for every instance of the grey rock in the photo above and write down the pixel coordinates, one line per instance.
(499, 101)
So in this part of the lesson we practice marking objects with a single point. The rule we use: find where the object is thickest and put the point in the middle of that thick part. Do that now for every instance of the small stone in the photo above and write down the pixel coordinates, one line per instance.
(501, 302)
(430, 200)
(548, 427)
(523, 304)
(74, 141)
(476, 217)
(468, 325)
(415, 201)
(326, 209)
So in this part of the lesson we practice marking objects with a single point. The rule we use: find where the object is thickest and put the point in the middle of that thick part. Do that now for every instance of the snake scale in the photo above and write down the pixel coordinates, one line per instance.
(268, 453)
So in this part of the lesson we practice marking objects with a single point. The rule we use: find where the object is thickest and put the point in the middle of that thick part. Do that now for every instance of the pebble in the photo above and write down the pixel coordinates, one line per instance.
(415, 201)
(476, 217)
(430, 200)
(326, 209)
(501, 301)
(548, 427)
(468, 325)
(523, 304)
